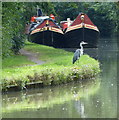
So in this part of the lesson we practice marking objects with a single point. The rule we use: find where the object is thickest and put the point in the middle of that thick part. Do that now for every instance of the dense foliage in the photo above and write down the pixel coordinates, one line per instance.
(12, 29)
(16, 14)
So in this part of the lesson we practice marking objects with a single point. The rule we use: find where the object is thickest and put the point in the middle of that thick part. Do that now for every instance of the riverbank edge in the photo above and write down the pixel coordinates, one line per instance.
(35, 85)
(59, 79)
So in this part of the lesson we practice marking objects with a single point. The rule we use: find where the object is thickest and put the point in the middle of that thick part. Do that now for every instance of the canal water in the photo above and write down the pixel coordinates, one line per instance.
(96, 98)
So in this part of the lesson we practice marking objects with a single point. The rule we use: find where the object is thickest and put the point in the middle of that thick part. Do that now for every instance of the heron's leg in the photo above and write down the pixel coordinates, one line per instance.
(78, 60)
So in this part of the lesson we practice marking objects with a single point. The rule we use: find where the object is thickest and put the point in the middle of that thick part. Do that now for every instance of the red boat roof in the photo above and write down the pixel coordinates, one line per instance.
(47, 22)
(82, 18)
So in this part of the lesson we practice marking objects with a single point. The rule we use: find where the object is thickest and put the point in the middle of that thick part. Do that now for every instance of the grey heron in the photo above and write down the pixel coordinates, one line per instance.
(78, 52)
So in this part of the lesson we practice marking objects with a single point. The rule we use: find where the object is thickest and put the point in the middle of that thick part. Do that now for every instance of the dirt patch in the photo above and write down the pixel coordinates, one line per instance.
(31, 56)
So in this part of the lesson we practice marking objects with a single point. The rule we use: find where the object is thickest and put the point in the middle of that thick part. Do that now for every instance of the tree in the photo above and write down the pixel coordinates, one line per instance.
(14, 17)
(12, 27)
(103, 14)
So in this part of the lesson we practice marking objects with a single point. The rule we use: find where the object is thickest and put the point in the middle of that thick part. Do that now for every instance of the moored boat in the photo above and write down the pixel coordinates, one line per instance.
(44, 30)
(82, 29)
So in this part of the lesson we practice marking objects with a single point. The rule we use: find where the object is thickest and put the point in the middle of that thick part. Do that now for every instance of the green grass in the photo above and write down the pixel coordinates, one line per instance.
(58, 57)
(50, 54)
(58, 68)
(15, 61)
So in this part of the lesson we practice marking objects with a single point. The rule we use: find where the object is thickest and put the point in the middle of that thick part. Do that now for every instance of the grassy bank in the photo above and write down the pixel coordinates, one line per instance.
(58, 68)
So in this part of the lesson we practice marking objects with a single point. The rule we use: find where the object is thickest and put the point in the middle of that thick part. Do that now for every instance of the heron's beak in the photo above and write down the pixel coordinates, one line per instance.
(85, 43)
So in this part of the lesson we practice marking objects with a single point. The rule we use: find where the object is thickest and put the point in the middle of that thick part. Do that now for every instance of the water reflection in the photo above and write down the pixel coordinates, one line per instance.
(39, 99)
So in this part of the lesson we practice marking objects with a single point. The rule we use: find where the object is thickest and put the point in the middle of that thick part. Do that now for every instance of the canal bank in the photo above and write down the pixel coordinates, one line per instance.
(57, 68)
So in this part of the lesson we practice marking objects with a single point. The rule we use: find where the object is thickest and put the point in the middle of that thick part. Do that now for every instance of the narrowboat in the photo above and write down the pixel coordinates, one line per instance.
(44, 30)
(82, 29)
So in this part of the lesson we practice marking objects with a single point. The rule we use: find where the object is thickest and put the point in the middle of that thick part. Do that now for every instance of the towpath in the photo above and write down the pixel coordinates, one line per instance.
(31, 56)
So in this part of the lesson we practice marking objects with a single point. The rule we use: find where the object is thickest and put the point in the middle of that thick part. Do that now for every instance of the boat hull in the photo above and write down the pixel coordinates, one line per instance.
(74, 37)
(49, 38)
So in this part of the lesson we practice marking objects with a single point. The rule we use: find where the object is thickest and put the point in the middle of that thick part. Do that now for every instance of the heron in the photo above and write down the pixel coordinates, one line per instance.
(78, 52)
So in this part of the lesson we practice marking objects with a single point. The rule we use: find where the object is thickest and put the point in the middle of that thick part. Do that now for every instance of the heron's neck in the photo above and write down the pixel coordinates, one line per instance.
(81, 50)
(81, 47)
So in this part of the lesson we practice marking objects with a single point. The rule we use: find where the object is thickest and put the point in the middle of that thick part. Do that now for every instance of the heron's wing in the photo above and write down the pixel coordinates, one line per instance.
(76, 56)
